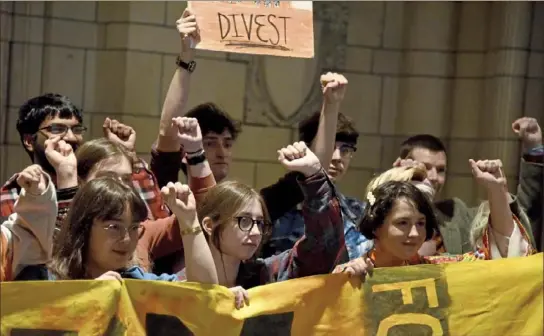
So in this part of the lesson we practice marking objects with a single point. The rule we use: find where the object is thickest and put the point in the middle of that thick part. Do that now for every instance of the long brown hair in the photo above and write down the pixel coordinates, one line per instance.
(103, 198)
(223, 202)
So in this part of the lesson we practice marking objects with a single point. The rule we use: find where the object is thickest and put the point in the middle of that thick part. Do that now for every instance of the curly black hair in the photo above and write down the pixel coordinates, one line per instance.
(383, 200)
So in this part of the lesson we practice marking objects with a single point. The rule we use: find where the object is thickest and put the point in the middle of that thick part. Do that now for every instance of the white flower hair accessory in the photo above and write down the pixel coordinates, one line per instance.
(371, 199)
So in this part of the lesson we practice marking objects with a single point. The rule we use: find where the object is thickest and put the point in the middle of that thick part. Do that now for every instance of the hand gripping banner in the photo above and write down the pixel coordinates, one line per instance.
(503, 297)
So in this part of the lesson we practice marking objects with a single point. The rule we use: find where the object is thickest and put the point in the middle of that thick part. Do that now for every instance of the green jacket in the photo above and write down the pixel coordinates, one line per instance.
(530, 197)
(456, 217)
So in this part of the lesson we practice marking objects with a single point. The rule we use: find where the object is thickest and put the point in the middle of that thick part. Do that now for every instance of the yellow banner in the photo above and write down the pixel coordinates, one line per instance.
(503, 297)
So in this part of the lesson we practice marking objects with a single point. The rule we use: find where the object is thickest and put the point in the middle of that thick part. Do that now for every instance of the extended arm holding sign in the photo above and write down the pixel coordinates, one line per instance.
(178, 91)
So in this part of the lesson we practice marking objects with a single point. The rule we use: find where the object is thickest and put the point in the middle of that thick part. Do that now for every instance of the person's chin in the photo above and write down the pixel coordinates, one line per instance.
(248, 252)
(409, 251)
(120, 259)
(220, 171)
(334, 175)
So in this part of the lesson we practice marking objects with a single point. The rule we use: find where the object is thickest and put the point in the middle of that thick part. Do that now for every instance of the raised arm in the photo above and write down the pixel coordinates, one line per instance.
(61, 156)
(162, 237)
(323, 245)
(199, 264)
(285, 194)
(502, 224)
(199, 172)
(334, 88)
(530, 187)
(178, 91)
(29, 231)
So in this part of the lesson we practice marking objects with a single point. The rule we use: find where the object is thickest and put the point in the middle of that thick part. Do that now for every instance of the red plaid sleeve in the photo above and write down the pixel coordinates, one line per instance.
(146, 184)
(8, 195)
(323, 245)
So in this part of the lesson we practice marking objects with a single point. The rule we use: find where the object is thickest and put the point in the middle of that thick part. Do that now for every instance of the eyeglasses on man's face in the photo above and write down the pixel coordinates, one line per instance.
(346, 150)
(60, 129)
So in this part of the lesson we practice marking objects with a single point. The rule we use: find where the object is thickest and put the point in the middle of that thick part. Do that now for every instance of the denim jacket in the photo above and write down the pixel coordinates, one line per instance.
(290, 227)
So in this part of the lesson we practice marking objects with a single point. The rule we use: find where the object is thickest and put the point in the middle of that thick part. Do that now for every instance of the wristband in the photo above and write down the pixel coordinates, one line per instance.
(195, 153)
(194, 160)
(538, 150)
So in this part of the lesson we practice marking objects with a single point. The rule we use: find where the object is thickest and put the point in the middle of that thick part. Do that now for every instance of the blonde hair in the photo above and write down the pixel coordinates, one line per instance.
(223, 202)
(399, 174)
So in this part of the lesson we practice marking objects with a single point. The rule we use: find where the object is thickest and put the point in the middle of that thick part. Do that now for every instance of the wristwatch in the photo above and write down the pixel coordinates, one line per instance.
(190, 67)
(195, 158)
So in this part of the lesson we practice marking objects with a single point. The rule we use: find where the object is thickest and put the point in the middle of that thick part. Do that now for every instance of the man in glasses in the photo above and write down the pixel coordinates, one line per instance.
(41, 118)
(55, 116)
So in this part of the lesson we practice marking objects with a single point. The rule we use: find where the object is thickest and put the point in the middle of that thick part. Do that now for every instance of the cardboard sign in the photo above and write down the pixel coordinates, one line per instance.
(279, 28)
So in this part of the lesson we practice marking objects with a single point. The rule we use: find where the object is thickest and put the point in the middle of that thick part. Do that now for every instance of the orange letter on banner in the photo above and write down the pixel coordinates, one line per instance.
(402, 319)
(406, 290)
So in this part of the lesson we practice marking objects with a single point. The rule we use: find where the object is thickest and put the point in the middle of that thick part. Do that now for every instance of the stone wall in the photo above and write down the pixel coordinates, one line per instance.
(461, 71)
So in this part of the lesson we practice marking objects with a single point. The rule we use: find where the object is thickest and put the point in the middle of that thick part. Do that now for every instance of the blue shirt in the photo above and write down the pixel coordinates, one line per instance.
(290, 227)
(40, 272)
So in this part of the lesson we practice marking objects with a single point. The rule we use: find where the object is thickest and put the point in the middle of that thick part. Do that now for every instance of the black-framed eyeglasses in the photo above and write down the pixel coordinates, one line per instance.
(58, 129)
(347, 150)
(246, 223)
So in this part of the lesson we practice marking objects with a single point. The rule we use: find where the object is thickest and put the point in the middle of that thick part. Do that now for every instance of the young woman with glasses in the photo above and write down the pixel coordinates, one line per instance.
(235, 221)
(98, 239)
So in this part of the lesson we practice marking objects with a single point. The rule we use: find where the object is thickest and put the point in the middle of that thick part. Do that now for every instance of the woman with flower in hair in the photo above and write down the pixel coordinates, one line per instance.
(400, 217)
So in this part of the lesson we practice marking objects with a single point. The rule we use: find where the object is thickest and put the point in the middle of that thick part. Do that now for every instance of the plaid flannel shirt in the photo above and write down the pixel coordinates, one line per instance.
(142, 178)
(289, 228)
(317, 252)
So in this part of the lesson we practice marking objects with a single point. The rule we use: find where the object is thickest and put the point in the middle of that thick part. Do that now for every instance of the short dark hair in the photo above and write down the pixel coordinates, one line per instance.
(211, 118)
(385, 196)
(35, 110)
(425, 141)
(345, 131)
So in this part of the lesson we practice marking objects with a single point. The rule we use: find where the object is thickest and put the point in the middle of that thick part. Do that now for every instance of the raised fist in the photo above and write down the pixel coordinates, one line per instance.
(189, 134)
(33, 179)
(488, 172)
(61, 156)
(181, 202)
(119, 133)
(298, 157)
(334, 87)
(528, 131)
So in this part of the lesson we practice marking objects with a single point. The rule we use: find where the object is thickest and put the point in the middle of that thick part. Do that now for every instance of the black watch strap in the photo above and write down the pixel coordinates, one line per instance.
(190, 67)
(193, 161)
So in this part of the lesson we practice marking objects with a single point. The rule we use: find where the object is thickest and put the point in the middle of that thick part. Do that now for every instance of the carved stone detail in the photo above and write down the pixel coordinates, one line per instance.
(331, 18)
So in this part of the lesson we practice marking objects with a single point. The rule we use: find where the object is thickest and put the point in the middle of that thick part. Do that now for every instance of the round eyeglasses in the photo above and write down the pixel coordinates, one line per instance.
(246, 223)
